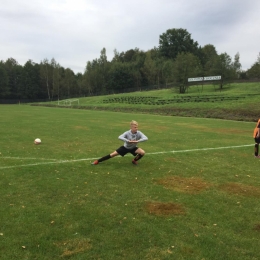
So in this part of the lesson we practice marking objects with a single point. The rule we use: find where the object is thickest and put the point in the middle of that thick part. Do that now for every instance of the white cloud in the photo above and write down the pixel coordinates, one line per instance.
(74, 31)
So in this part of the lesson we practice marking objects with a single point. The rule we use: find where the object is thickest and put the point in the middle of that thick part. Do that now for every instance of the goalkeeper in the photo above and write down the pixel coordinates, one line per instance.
(131, 138)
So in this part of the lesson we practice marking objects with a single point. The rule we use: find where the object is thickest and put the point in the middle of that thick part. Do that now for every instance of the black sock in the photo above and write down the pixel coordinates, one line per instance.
(138, 157)
(104, 158)
(256, 149)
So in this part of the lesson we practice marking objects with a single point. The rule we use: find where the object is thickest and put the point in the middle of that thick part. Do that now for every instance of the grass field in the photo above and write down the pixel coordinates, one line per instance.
(195, 194)
(236, 101)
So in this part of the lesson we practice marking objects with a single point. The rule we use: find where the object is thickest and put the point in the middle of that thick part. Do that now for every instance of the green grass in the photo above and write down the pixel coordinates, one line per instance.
(236, 101)
(194, 203)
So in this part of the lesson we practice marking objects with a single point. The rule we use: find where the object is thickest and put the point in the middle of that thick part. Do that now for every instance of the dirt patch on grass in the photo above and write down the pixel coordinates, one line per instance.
(164, 209)
(81, 127)
(257, 227)
(75, 246)
(171, 159)
(189, 185)
(240, 189)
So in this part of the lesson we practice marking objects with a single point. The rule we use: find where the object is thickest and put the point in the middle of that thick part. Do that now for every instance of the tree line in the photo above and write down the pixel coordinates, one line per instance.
(176, 58)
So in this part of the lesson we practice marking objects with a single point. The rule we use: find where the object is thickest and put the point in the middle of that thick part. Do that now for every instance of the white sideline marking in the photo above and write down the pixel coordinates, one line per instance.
(90, 159)
(58, 161)
(202, 149)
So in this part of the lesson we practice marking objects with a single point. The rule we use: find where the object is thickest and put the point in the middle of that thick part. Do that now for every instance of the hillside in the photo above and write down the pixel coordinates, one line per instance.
(237, 101)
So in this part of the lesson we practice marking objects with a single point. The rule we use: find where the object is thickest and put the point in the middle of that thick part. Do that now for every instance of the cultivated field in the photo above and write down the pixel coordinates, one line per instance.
(195, 194)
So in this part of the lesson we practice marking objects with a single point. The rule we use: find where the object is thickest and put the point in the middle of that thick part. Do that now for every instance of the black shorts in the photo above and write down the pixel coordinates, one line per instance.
(257, 140)
(123, 151)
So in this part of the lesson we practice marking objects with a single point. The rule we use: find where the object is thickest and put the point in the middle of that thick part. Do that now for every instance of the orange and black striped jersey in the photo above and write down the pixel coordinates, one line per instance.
(256, 128)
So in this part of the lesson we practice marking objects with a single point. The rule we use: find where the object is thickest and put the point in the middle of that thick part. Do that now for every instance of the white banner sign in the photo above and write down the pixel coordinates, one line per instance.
(212, 78)
(204, 78)
(195, 79)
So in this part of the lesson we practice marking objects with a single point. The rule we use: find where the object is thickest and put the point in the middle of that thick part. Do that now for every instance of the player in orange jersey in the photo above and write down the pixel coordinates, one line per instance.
(256, 136)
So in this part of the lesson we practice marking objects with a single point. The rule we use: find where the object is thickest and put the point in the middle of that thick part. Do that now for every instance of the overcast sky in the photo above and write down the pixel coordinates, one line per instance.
(75, 31)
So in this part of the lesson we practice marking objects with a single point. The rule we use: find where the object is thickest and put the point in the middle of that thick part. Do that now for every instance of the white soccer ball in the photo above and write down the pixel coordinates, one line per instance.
(37, 141)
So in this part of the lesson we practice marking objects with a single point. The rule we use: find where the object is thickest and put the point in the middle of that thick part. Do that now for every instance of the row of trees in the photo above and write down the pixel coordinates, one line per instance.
(47, 80)
(177, 58)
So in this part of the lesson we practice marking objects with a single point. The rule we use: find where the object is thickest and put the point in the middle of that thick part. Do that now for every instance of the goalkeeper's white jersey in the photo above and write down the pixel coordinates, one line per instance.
(129, 136)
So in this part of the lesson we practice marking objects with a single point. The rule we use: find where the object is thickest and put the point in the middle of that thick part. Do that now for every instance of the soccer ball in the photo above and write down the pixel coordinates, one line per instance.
(37, 141)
